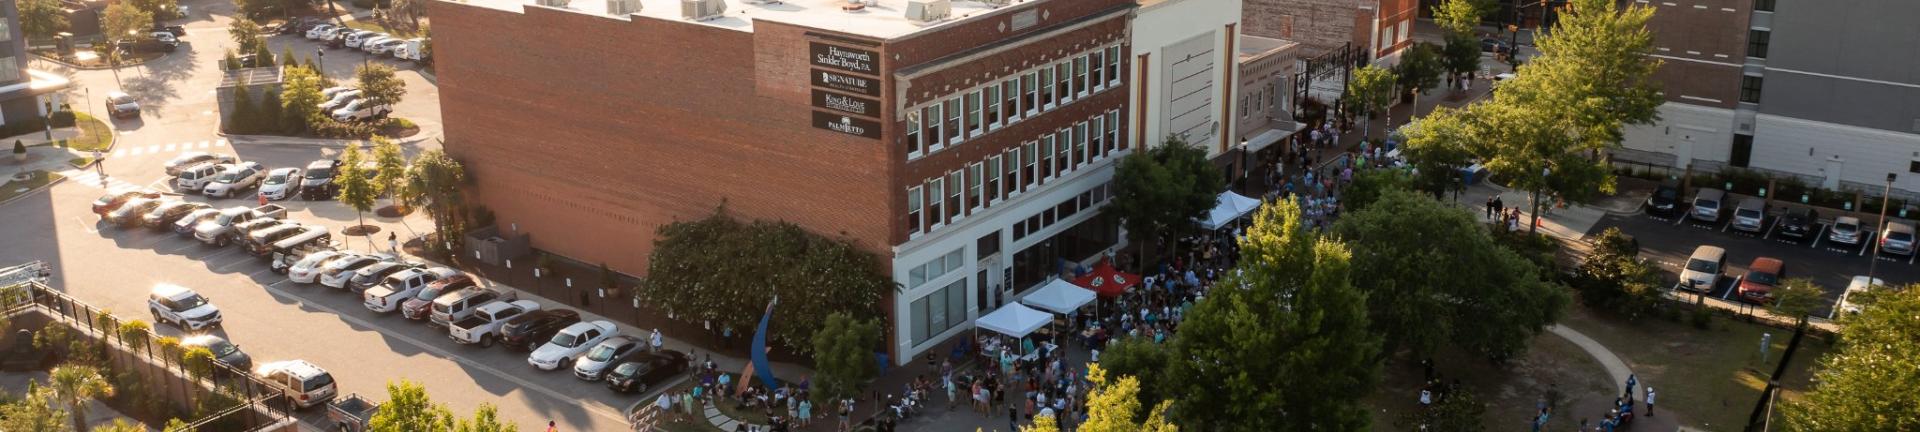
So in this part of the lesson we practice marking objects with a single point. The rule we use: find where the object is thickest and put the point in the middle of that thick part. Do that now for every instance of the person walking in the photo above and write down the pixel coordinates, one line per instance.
(1013, 417)
(656, 342)
(1649, 401)
(393, 239)
(1489, 207)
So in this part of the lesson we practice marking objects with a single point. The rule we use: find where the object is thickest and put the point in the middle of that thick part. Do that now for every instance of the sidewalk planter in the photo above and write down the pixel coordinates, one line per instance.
(19, 151)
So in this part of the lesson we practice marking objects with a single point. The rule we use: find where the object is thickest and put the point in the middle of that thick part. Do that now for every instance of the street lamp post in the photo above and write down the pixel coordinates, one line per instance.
(1886, 196)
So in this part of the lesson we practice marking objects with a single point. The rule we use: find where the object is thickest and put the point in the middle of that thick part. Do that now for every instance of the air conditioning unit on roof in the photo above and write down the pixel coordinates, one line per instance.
(929, 10)
(555, 3)
(623, 7)
(702, 10)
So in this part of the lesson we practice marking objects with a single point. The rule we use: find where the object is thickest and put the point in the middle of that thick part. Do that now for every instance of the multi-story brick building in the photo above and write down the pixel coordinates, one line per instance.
(1381, 27)
(971, 150)
(1795, 88)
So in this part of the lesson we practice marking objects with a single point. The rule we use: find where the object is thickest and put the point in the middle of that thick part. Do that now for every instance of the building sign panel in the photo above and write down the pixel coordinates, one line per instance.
(846, 59)
(846, 83)
(846, 124)
(846, 104)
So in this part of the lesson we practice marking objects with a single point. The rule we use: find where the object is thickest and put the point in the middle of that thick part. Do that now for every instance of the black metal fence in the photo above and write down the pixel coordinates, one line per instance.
(255, 403)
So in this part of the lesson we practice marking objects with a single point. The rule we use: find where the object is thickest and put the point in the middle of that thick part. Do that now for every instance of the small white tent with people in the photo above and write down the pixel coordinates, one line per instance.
(1059, 296)
(1014, 320)
(1227, 208)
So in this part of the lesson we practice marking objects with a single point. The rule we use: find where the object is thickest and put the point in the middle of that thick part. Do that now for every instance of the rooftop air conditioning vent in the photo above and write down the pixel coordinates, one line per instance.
(702, 10)
(929, 10)
(623, 7)
(996, 3)
(555, 3)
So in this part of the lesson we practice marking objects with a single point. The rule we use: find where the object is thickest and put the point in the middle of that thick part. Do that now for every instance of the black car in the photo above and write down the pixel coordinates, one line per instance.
(176, 30)
(646, 369)
(528, 331)
(1665, 198)
(1492, 45)
(1799, 222)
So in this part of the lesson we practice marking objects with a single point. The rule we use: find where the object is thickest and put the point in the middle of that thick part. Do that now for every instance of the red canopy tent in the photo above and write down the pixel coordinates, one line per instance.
(1107, 281)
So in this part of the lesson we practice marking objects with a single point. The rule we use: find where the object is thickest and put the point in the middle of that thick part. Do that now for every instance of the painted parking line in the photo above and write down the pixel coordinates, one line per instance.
(1818, 236)
(1681, 219)
(1732, 288)
(1776, 227)
(244, 258)
(220, 143)
(221, 253)
(169, 147)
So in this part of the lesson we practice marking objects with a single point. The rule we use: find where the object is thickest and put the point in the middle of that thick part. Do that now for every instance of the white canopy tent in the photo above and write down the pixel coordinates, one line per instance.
(1230, 206)
(1014, 320)
(1060, 297)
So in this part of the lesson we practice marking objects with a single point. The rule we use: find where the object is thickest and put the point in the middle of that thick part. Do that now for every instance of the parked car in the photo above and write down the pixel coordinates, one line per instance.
(220, 231)
(318, 181)
(177, 305)
(173, 30)
(420, 306)
(371, 42)
(385, 47)
(372, 274)
(353, 413)
(189, 159)
(527, 332)
(604, 356)
(1706, 205)
(484, 325)
(339, 100)
(1664, 198)
(309, 260)
(287, 251)
(165, 215)
(412, 49)
(647, 369)
(571, 343)
(260, 241)
(241, 177)
(1859, 285)
(1493, 45)
(165, 40)
(321, 31)
(340, 271)
(1751, 215)
(193, 178)
(1846, 230)
(308, 269)
(280, 183)
(224, 352)
(401, 286)
(361, 110)
(129, 214)
(1799, 222)
(1762, 277)
(185, 225)
(458, 305)
(1703, 269)
(120, 104)
(329, 92)
(113, 200)
(1897, 238)
(307, 384)
(355, 38)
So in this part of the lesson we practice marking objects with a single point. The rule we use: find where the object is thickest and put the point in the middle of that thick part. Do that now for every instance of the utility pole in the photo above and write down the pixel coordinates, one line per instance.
(1885, 197)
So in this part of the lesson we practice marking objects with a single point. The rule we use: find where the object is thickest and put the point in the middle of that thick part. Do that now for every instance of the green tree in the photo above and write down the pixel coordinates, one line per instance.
(1368, 92)
(390, 166)
(198, 362)
(379, 85)
(357, 191)
(1460, 411)
(268, 118)
(1796, 298)
(1159, 192)
(1460, 57)
(485, 419)
(162, 9)
(1595, 69)
(435, 182)
(125, 21)
(1410, 247)
(37, 410)
(1614, 277)
(299, 100)
(1866, 382)
(1041, 424)
(263, 55)
(74, 386)
(722, 270)
(230, 61)
(42, 18)
(1114, 404)
(843, 357)
(409, 408)
(121, 425)
(1368, 186)
(1281, 343)
(1459, 17)
(245, 117)
(175, 425)
(1420, 69)
(1141, 358)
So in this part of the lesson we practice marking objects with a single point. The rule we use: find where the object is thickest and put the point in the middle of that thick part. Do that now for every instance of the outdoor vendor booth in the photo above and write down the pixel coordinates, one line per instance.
(1013, 320)
(1059, 296)
(1229, 207)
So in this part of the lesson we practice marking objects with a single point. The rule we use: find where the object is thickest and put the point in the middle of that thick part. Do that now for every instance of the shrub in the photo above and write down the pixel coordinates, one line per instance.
(62, 118)
(333, 129)
(19, 148)
(1702, 318)
(398, 123)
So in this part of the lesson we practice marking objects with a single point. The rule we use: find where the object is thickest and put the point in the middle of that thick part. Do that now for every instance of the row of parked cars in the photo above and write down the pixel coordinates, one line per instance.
(373, 43)
(223, 176)
(1799, 222)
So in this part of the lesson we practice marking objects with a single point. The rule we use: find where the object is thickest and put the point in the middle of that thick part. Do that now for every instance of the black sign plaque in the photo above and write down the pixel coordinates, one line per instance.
(846, 124)
(846, 83)
(845, 104)
(847, 59)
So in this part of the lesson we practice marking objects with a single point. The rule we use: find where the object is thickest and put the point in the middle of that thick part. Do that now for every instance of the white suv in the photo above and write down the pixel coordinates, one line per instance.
(360, 109)
(280, 183)
(241, 177)
(182, 307)
(307, 384)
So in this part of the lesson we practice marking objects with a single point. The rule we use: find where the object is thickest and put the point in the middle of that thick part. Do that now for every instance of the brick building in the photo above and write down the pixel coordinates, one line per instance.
(968, 144)
(1383, 27)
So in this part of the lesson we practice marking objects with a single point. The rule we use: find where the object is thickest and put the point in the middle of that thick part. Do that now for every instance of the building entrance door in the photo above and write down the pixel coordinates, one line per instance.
(1833, 175)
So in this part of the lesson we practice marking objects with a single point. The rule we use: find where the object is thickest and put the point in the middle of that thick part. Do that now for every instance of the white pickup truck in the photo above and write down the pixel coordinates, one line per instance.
(484, 326)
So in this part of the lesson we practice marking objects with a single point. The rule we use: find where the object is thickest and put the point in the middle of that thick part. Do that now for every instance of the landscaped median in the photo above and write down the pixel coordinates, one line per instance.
(34, 180)
(94, 134)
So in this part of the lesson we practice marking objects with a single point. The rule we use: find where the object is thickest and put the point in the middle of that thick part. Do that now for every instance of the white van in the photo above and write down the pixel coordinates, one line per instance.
(1703, 269)
(198, 176)
(307, 384)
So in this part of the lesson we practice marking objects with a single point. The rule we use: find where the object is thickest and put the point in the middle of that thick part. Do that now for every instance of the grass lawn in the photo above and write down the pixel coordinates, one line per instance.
(80, 162)
(94, 134)
(15, 188)
(1510, 391)
(1710, 378)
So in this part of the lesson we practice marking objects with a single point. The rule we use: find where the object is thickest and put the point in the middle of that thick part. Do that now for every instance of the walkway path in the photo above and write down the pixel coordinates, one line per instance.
(1616, 367)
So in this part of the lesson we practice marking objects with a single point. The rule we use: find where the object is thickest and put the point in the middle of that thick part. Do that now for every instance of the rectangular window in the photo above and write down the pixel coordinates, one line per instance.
(914, 146)
(1113, 132)
(956, 304)
(1046, 157)
(1011, 90)
(954, 188)
(1763, 5)
(1031, 157)
(1063, 156)
(935, 134)
(993, 107)
(973, 114)
(1080, 144)
(1099, 70)
(954, 132)
(921, 319)
(1757, 41)
(1046, 87)
(1750, 88)
(993, 179)
(914, 210)
(1244, 100)
(1080, 75)
(1099, 137)
(973, 188)
(1032, 86)
(1010, 166)
(1063, 72)
(1113, 65)
(935, 190)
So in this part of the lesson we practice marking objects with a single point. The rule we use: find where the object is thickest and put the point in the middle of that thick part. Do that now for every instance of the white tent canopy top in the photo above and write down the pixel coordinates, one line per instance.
(1014, 320)
(1230, 206)
(1060, 297)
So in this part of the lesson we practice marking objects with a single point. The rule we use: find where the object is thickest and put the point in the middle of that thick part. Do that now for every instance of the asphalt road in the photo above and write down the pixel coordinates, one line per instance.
(1668, 241)
(269, 318)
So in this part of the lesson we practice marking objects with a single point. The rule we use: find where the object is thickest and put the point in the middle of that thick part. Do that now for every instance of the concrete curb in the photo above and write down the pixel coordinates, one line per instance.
(313, 142)
(42, 188)
(96, 68)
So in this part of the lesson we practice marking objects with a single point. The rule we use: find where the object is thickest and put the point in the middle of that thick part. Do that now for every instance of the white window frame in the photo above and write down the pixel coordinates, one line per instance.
(1113, 131)
(976, 114)
(1065, 94)
(1046, 88)
(1063, 151)
(994, 113)
(1046, 157)
(996, 174)
(1019, 181)
(916, 138)
(956, 118)
(1030, 84)
(1080, 75)
(1098, 60)
(917, 209)
(933, 113)
(937, 190)
(976, 191)
(1113, 58)
(1010, 90)
(1080, 155)
(958, 193)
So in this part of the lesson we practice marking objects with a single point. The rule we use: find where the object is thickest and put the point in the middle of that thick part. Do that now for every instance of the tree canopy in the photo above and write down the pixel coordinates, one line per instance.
(843, 356)
(300, 98)
(1867, 381)
(1368, 93)
(37, 410)
(1412, 249)
(1160, 192)
(435, 182)
(1459, 17)
(1796, 298)
(724, 270)
(389, 165)
(356, 190)
(1460, 411)
(1614, 277)
(42, 18)
(74, 386)
(123, 20)
(409, 408)
(1113, 404)
(379, 85)
(1280, 343)
(1141, 358)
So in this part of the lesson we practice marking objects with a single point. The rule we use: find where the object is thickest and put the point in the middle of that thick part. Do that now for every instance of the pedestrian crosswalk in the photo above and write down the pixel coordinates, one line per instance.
(90, 178)
(137, 150)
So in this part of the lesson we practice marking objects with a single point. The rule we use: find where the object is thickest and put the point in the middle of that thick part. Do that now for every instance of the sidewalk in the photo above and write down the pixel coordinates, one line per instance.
(421, 137)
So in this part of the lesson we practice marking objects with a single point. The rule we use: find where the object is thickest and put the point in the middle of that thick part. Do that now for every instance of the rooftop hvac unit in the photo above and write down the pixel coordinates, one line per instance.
(555, 3)
(929, 10)
(702, 10)
(996, 3)
(623, 7)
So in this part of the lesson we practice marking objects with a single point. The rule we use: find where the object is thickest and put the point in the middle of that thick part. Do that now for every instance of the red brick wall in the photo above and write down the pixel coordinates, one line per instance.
(1699, 33)
(590, 132)
(956, 37)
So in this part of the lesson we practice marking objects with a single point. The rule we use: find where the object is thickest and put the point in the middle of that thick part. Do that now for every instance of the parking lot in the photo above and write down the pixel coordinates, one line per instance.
(1670, 240)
